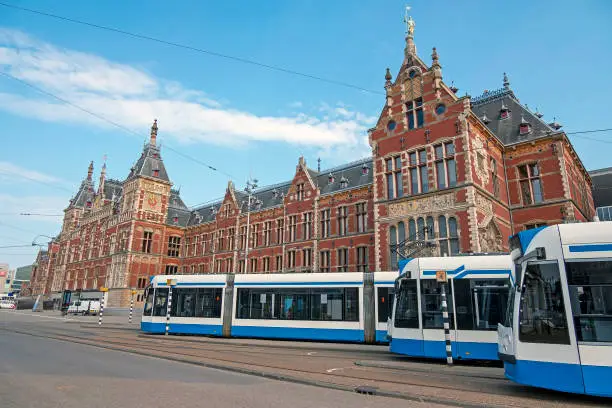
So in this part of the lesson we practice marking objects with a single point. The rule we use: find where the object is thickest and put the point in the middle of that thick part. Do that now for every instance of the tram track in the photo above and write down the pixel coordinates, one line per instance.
(427, 387)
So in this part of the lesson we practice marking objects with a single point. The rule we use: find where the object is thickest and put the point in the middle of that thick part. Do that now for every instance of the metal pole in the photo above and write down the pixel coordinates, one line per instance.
(169, 303)
(246, 250)
(101, 310)
(447, 339)
(131, 307)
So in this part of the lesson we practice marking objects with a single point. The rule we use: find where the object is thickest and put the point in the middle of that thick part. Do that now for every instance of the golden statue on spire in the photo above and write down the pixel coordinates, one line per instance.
(409, 23)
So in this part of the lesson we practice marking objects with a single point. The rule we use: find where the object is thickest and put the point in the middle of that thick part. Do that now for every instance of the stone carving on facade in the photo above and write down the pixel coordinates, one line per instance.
(422, 205)
(490, 238)
(481, 162)
(155, 187)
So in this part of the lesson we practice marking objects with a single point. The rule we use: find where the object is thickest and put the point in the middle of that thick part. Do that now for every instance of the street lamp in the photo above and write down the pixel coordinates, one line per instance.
(36, 237)
(251, 185)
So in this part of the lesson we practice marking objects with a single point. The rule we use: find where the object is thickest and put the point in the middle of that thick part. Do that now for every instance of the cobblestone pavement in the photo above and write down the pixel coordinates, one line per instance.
(348, 367)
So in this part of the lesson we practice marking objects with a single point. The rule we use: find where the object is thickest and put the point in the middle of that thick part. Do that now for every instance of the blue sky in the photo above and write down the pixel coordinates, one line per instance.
(246, 120)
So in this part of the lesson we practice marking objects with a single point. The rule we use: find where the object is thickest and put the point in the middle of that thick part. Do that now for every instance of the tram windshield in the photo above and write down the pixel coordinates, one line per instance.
(407, 308)
(590, 291)
(542, 316)
(148, 307)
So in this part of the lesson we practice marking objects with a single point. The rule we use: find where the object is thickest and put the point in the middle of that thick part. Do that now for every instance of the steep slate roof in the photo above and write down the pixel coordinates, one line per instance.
(273, 195)
(83, 195)
(112, 189)
(602, 187)
(150, 160)
(507, 130)
(178, 213)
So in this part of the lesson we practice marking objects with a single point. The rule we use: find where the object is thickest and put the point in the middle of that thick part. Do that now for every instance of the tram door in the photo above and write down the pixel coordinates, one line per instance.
(432, 317)
(545, 354)
(480, 305)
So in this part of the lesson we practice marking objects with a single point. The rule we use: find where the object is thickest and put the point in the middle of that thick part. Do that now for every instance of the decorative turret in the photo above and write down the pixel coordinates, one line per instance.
(437, 70)
(90, 171)
(388, 78)
(102, 180)
(153, 140)
(506, 81)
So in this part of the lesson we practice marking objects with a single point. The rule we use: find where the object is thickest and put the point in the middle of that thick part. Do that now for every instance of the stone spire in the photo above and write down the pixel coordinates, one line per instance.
(153, 140)
(506, 81)
(102, 179)
(90, 171)
(410, 24)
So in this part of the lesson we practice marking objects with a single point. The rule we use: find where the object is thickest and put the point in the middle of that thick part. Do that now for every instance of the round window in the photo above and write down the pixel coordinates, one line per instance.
(440, 109)
(391, 125)
(412, 74)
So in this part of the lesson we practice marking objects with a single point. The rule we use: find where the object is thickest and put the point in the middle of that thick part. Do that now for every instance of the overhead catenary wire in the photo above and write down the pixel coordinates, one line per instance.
(277, 68)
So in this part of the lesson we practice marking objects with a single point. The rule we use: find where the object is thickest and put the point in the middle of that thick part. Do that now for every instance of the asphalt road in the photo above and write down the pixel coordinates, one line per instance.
(40, 372)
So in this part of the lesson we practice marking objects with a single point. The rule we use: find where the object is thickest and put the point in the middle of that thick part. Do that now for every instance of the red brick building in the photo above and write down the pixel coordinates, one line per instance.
(458, 173)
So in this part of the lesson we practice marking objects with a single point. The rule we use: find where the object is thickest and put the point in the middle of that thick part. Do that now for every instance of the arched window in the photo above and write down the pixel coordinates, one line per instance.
(420, 227)
(411, 229)
(401, 232)
(430, 226)
(443, 234)
(454, 237)
(392, 247)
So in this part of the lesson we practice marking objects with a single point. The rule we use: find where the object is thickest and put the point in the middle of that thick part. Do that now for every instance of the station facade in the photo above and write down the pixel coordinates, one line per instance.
(460, 174)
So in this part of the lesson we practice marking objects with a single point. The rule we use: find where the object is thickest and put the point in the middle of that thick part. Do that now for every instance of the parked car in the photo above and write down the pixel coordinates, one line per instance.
(7, 303)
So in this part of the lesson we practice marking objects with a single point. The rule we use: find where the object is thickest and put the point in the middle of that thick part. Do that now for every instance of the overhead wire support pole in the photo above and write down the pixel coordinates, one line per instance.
(251, 185)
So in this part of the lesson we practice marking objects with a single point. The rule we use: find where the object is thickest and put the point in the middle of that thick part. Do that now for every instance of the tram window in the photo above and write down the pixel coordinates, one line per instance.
(406, 311)
(148, 307)
(490, 301)
(351, 304)
(385, 304)
(254, 304)
(294, 305)
(590, 288)
(326, 304)
(542, 316)
(208, 302)
(183, 302)
(431, 304)
(340, 304)
(161, 299)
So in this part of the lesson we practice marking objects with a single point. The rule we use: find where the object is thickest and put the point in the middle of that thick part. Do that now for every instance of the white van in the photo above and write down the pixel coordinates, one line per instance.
(86, 307)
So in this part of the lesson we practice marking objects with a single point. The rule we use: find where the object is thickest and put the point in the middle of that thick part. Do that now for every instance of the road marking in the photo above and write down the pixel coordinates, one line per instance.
(311, 353)
(331, 370)
(36, 315)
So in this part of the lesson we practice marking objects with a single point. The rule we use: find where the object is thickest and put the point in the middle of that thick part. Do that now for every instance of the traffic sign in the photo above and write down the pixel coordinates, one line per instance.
(103, 289)
(134, 292)
(171, 282)
(441, 276)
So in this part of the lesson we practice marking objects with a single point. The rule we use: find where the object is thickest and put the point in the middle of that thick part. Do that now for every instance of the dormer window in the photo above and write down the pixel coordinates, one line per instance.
(331, 178)
(275, 193)
(524, 127)
(485, 119)
(155, 172)
(504, 112)
(365, 169)
(175, 219)
(88, 203)
(344, 182)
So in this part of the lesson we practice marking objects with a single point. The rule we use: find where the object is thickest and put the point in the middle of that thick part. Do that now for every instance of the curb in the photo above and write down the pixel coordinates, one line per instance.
(362, 363)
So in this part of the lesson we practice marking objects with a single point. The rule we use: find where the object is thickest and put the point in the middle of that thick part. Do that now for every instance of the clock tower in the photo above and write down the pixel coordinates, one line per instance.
(143, 215)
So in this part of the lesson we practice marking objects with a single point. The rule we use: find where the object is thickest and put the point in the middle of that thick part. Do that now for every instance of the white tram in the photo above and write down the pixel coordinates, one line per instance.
(558, 331)
(351, 307)
(478, 287)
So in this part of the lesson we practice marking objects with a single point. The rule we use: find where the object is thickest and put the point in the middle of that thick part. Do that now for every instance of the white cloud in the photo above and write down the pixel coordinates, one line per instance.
(10, 171)
(132, 97)
(33, 204)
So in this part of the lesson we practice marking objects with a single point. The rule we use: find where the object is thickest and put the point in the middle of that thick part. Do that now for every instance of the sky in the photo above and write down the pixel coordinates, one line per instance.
(247, 120)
